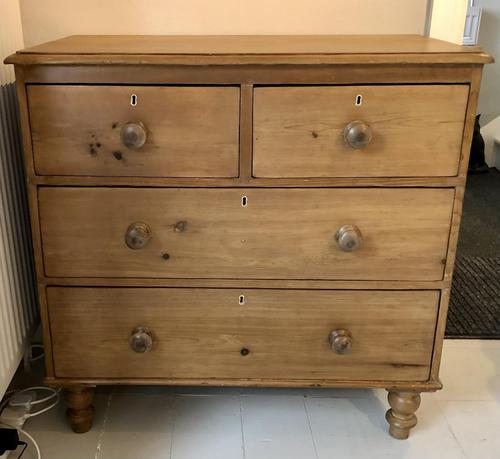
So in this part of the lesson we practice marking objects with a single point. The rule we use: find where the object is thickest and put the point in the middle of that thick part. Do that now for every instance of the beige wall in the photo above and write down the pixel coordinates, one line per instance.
(45, 20)
(448, 20)
(11, 36)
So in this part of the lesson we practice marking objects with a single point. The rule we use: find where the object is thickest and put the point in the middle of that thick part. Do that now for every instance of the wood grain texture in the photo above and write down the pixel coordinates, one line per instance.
(410, 234)
(245, 181)
(24, 120)
(191, 131)
(245, 283)
(401, 416)
(361, 73)
(32, 190)
(285, 333)
(470, 118)
(45, 324)
(281, 234)
(203, 60)
(421, 386)
(454, 232)
(437, 352)
(448, 274)
(417, 130)
(246, 133)
(80, 411)
(246, 44)
(243, 49)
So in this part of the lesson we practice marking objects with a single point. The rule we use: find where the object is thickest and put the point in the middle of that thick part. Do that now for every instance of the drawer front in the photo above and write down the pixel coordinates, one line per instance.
(415, 130)
(274, 334)
(169, 132)
(278, 234)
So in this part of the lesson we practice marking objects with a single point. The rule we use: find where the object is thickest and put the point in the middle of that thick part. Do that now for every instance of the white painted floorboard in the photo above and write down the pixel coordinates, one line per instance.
(461, 421)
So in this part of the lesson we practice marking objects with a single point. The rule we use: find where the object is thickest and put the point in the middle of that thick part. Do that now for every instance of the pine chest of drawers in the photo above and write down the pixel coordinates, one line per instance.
(267, 211)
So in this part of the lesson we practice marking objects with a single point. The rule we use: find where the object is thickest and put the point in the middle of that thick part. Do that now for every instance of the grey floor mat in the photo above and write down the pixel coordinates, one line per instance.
(475, 299)
(475, 293)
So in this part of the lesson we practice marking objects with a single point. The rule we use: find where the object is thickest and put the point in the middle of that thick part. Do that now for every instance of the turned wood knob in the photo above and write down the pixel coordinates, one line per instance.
(357, 134)
(138, 235)
(349, 238)
(141, 340)
(133, 135)
(341, 341)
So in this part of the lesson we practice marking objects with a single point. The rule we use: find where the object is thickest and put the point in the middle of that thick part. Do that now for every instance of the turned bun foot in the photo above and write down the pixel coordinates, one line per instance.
(401, 417)
(80, 412)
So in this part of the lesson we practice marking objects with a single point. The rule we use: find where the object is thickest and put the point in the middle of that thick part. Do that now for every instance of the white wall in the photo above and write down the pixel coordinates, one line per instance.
(45, 20)
(11, 36)
(448, 20)
(489, 40)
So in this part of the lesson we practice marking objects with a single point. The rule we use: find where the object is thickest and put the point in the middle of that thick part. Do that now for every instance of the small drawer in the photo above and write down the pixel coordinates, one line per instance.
(272, 334)
(143, 131)
(358, 234)
(358, 131)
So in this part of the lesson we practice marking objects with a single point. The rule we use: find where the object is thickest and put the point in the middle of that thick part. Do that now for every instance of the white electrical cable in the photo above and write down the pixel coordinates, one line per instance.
(35, 444)
(54, 394)
(38, 346)
(26, 434)
(4, 404)
(38, 357)
(9, 395)
(44, 410)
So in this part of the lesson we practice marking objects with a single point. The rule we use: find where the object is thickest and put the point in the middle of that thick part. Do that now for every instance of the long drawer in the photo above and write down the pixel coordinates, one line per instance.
(228, 333)
(399, 234)
(144, 131)
(358, 131)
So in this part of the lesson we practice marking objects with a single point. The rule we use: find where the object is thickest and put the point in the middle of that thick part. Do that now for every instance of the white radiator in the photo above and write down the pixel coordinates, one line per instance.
(18, 304)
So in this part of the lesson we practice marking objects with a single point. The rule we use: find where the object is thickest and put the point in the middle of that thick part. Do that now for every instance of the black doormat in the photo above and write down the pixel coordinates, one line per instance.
(475, 299)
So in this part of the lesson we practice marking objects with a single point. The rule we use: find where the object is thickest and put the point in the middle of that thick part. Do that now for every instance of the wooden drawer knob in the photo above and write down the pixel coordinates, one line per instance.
(138, 235)
(141, 340)
(341, 341)
(357, 134)
(349, 238)
(133, 135)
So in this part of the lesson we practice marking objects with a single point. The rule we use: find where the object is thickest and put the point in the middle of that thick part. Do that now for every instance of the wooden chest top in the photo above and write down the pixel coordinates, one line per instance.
(241, 49)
